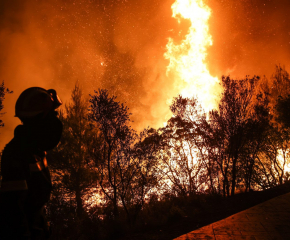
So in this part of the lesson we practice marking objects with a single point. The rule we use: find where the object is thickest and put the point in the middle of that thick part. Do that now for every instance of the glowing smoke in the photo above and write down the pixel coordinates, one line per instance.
(119, 45)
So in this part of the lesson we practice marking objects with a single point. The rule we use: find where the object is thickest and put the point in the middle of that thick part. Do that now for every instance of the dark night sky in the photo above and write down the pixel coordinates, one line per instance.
(119, 45)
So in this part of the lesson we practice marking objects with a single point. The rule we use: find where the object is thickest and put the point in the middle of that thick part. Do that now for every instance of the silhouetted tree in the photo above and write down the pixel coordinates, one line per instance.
(280, 92)
(275, 155)
(116, 164)
(144, 174)
(257, 132)
(126, 161)
(73, 168)
(283, 111)
(183, 155)
(280, 84)
(233, 127)
(3, 91)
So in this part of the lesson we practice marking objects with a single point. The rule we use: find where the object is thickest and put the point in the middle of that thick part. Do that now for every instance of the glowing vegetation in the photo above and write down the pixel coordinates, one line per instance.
(241, 146)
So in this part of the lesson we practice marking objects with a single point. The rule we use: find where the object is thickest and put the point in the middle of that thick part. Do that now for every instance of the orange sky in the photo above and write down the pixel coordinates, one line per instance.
(119, 45)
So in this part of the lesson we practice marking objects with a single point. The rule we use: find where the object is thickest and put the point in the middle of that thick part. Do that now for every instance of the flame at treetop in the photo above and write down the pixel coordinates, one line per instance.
(187, 60)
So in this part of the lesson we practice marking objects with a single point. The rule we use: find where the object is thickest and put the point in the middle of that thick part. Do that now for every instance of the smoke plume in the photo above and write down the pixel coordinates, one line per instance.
(120, 44)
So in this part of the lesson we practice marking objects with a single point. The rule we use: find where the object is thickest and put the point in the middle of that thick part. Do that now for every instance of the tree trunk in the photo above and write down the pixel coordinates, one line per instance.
(115, 211)
(79, 200)
(234, 176)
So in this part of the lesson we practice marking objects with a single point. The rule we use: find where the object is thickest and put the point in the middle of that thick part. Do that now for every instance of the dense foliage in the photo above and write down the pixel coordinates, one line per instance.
(108, 178)
(3, 91)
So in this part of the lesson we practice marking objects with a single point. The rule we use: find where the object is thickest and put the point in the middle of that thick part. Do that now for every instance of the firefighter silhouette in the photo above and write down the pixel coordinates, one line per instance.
(26, 182)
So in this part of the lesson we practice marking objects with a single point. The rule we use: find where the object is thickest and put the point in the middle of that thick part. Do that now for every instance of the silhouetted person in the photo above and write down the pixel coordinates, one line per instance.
(26, 182)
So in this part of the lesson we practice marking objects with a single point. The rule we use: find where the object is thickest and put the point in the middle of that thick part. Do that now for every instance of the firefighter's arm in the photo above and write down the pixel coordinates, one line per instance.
(14, 186)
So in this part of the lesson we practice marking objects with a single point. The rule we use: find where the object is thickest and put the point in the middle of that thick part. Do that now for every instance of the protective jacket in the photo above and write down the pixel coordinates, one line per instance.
(25, 188)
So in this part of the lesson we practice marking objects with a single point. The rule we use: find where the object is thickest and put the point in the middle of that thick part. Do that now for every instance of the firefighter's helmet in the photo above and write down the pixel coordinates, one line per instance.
(36, 101)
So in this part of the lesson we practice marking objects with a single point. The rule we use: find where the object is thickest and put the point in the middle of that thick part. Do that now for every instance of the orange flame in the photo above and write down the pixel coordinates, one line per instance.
(187, 59)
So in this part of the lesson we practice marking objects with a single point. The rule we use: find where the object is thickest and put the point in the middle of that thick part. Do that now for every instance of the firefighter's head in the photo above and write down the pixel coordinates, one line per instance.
(36, 108)
(36, 103)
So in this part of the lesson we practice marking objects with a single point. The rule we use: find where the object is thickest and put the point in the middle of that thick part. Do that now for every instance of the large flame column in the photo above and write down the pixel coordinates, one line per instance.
(187, 60)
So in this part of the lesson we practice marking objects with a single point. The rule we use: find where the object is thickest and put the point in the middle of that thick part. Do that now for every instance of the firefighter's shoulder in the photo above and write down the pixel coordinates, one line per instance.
(12, 156)
(13, 168)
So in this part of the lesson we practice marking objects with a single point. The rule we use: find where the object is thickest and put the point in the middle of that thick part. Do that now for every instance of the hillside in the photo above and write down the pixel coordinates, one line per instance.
(211, 209)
